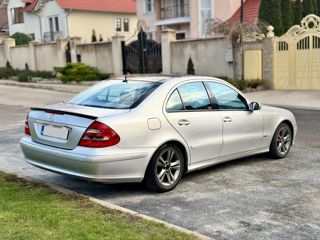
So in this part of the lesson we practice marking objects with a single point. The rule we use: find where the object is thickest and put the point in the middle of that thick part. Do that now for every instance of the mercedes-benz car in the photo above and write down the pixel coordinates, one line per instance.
(153, 130)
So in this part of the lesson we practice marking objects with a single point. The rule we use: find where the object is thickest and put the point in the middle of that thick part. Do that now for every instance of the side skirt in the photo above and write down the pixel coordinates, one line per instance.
(211, 162)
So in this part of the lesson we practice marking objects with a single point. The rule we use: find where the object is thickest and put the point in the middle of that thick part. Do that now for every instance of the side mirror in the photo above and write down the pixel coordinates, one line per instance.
(254, 106)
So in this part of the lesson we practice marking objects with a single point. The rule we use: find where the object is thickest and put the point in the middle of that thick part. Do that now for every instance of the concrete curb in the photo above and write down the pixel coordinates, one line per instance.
(114, 207)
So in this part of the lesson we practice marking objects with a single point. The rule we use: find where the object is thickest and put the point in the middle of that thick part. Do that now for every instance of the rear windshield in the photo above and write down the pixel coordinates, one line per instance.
(115, 94)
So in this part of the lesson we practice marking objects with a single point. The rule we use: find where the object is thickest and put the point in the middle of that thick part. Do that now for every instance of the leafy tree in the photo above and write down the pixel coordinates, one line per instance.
(190, 69)
(308, 7)
(270, 12)
(318, 4)
(21, 38)
(297, 8)
(94, 37)
(100, 38)
(287, 14)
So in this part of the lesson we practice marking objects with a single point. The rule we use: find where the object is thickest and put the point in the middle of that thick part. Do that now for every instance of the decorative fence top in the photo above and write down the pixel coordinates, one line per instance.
(309, 24)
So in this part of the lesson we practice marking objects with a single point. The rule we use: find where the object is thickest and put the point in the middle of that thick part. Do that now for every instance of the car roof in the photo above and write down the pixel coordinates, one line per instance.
(162, 78)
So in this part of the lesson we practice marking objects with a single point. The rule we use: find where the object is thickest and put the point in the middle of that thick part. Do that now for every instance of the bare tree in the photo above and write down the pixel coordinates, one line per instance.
(237, 32)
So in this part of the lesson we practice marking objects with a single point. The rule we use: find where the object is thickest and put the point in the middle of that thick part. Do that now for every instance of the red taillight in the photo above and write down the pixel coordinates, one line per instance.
(26, 126)
(99, 135)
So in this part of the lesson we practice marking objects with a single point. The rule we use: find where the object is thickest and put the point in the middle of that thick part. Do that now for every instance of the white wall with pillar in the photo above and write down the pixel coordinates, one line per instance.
(106, 56)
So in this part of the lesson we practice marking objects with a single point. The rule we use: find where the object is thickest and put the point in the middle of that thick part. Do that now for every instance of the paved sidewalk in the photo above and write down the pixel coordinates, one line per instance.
(68, 88)
(305, 99)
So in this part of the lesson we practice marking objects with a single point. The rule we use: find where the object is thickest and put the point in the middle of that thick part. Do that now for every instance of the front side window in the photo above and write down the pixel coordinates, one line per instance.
(115, 94)
(226, 97)
(194, 96)
(149, 6)
(17, 15)
(174, 102)
(117, 24)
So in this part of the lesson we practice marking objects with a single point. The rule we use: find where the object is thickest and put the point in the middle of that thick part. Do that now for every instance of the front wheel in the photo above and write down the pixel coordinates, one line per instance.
(281, 141)
(165, 169)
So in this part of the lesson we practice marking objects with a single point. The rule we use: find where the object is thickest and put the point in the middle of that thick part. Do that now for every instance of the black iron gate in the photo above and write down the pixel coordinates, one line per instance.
(142, 55)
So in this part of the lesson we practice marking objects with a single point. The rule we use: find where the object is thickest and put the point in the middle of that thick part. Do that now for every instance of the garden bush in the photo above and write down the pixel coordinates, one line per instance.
(240, 84)
(23, 75)
(255, 83)
(21, 38)
(79, 72)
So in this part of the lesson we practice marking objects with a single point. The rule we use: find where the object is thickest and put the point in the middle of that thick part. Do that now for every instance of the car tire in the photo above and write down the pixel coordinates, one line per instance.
(281, 142)
(165, 169)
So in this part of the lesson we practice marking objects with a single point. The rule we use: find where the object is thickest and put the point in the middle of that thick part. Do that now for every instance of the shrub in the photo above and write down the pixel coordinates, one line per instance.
(79, 72)
(24, 76)
(190, 69)
(93, 37)
(240, 84)
(7, 72)
(21, 38)
(255, 83)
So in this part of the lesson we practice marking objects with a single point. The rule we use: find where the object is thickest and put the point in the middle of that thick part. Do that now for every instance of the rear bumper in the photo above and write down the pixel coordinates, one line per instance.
(112, 165)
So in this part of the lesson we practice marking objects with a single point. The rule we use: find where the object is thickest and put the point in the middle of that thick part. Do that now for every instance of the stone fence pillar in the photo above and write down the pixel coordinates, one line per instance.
(74, 41)
(117, 55)
(167, 37)
(32, 54)
(8, 43)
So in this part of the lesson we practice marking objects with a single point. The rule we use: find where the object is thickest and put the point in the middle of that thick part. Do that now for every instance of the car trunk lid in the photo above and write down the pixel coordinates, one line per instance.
(62, 125)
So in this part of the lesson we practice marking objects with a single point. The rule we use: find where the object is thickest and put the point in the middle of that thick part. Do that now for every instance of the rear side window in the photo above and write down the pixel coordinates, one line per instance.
(115, 94)
(194, 96)
(174, 102)
(227, 98)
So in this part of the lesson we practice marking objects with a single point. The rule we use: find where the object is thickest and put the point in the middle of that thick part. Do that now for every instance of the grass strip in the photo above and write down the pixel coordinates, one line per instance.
(30, 210)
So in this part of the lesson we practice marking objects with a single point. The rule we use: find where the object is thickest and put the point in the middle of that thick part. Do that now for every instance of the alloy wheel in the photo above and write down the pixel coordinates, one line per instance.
(283, 140)
(168, 167)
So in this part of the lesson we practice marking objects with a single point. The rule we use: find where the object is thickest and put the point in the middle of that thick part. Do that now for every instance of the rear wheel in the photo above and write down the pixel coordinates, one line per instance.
(281, 141)
(165, 169)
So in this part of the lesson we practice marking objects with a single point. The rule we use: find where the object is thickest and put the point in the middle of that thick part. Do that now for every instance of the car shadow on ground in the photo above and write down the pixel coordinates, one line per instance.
(115, 191)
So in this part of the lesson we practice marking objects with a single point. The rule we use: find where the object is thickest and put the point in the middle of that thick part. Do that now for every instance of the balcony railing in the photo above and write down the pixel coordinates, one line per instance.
(178, 11)
(52, 36)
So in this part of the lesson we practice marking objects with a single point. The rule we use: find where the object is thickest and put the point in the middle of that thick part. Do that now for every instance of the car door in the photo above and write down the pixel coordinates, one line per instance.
(242, 129)
(191, 113)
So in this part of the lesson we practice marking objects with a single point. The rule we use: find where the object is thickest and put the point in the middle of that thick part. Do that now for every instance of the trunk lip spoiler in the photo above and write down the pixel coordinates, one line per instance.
(65, 112)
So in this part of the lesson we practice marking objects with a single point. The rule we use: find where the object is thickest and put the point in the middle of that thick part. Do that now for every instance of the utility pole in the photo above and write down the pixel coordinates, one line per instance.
(241, 42)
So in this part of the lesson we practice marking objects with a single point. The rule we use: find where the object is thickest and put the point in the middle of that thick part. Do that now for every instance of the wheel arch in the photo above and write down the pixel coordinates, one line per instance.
(289, 123)
(181, 146)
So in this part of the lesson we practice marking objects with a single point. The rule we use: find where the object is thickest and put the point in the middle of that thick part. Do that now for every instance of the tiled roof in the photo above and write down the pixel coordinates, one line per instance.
(126, 6)
(250, 12)
(30, 5)
(3, 19)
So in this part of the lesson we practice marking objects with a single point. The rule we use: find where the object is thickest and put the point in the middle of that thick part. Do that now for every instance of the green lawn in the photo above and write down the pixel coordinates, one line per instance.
(30, 210)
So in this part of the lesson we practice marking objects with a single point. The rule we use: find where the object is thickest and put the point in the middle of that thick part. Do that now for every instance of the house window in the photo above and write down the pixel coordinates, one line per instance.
(126, 24)
(17, 15)
(117, 23)
(205, 14)
(56, 21)
(149, 6)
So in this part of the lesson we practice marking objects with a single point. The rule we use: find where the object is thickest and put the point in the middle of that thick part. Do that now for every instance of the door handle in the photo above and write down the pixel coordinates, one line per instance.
(184, 122)
(227, 119)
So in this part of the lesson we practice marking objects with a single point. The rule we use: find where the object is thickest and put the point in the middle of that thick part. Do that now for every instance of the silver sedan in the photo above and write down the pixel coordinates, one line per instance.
(153, 129)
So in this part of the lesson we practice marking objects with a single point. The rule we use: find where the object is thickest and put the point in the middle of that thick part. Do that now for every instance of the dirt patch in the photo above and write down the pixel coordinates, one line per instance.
(15, 179)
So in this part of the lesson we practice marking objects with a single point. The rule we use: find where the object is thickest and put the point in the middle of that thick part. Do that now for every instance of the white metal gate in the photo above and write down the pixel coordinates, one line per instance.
(297, 56)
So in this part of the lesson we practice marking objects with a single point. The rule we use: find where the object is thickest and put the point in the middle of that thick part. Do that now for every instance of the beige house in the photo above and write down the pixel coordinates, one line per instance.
(48, 20)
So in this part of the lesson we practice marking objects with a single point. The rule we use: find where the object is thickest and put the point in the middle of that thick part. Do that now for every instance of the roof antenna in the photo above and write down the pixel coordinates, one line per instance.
(125, 79)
